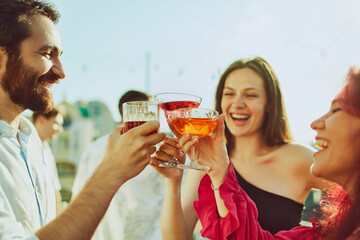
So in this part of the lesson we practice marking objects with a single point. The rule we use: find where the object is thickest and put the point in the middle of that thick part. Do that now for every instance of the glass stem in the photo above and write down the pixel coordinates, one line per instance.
(194, 153)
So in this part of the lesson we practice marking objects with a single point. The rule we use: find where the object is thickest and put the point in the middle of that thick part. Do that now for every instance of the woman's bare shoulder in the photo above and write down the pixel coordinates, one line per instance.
(298, 159)
(295, 156)
(296, 151)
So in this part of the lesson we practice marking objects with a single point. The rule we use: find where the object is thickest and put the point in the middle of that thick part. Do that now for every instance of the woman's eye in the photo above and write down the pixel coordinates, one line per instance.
(228, 94)
(335, 110)
(251, 95)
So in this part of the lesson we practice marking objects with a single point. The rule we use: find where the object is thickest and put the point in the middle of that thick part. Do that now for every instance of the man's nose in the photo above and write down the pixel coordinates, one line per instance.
(58, 68)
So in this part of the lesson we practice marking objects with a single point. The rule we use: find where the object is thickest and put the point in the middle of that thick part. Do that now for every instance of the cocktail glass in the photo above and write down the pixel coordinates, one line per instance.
(199, 122)
(170, 101)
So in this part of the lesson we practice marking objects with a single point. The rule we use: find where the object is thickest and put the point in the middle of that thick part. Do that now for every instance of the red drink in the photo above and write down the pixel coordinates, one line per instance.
(171, 106)
(131, 124)
(200, 127)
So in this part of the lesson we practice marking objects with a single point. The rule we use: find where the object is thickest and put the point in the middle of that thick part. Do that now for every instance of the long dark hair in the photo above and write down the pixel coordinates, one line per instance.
(275, 127)
(340, 217)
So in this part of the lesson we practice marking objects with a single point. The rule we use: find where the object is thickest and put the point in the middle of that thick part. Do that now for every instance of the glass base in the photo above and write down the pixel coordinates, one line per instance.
(193, 166)
(169, 164)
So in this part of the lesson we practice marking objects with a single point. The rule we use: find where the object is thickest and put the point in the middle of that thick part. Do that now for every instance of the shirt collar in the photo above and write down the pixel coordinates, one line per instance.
(8, 131)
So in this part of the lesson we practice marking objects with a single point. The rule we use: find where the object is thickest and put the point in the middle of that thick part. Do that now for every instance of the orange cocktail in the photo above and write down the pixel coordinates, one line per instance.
(200, 127)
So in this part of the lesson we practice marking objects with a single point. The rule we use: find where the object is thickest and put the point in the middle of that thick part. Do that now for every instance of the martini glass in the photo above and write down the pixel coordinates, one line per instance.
(199, 122)
(170, 101)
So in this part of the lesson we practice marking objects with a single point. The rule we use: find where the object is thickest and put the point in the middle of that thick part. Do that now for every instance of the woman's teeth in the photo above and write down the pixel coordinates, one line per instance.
(237, 116)
(321, 144)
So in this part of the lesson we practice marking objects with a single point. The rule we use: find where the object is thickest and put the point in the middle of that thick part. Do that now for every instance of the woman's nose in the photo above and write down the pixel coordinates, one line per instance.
(318, 123)
(239, 102)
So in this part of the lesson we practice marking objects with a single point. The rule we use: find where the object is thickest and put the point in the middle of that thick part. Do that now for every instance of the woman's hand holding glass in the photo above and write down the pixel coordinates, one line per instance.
(211, 151)
(167, 150)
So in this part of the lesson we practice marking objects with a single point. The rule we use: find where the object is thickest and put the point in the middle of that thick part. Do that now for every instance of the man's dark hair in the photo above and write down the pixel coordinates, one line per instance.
(15, 20)
(54, 112)
(132, 95)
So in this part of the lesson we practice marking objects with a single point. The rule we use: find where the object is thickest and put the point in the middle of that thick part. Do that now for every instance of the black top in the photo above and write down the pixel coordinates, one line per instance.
(276, 212)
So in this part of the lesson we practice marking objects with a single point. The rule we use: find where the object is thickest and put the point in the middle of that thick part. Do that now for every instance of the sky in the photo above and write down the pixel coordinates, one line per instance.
(112, 46)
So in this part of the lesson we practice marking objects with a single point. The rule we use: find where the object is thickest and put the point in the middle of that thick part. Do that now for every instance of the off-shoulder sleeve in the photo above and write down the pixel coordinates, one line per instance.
(241, 221)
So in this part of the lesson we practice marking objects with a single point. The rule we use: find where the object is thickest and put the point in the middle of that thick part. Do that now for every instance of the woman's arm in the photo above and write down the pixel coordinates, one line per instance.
(241, 219)
(178, 217)
(212, 152)
(189, 195)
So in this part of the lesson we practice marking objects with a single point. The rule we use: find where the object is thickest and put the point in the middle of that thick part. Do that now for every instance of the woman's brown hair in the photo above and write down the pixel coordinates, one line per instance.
(275, 127)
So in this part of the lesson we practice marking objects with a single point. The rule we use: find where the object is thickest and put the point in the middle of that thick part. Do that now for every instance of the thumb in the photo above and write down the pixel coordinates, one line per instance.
(220, 129)
(120, 129)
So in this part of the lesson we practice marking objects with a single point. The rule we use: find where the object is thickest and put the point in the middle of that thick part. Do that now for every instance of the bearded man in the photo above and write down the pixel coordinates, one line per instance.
(30, 50)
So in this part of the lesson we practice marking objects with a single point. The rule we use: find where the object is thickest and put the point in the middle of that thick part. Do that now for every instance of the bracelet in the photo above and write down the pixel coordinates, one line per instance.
(213, 188)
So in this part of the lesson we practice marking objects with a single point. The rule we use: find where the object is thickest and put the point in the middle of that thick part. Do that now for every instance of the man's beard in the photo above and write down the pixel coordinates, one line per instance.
(24, 88)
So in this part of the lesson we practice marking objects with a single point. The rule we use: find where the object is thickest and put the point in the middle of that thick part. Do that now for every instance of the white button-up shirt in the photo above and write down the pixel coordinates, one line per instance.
(27, 197)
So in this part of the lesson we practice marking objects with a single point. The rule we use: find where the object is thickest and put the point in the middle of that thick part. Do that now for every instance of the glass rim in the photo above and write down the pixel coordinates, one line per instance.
(140, 103)
(201, 109)
(176, 93)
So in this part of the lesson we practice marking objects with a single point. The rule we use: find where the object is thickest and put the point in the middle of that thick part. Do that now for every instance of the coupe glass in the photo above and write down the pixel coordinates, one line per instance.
(170, 101)
(199, 122)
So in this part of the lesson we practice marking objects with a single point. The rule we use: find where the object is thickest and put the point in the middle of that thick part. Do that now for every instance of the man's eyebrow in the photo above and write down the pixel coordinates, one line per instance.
(51, 48)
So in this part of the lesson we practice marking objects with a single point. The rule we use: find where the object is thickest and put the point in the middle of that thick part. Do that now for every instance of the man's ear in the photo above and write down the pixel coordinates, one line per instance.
(41, 119)
(3, 60)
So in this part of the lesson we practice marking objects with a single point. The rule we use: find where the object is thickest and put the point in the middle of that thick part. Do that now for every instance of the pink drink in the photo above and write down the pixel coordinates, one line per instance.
(171, 106)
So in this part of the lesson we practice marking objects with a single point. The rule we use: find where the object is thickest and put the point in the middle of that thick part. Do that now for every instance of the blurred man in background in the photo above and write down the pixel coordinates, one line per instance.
(135, 210)
(49, 125)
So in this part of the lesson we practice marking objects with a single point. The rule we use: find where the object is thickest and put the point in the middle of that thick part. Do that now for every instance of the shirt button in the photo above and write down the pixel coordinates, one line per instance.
(12, 131)
(36, 188)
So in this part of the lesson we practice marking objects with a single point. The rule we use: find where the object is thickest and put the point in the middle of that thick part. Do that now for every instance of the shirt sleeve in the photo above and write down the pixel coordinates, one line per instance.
(241, 221)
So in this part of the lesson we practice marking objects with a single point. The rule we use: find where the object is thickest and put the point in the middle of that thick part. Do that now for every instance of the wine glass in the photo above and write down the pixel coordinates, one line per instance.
(199, 122)
(170, 101)
(136, 113)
